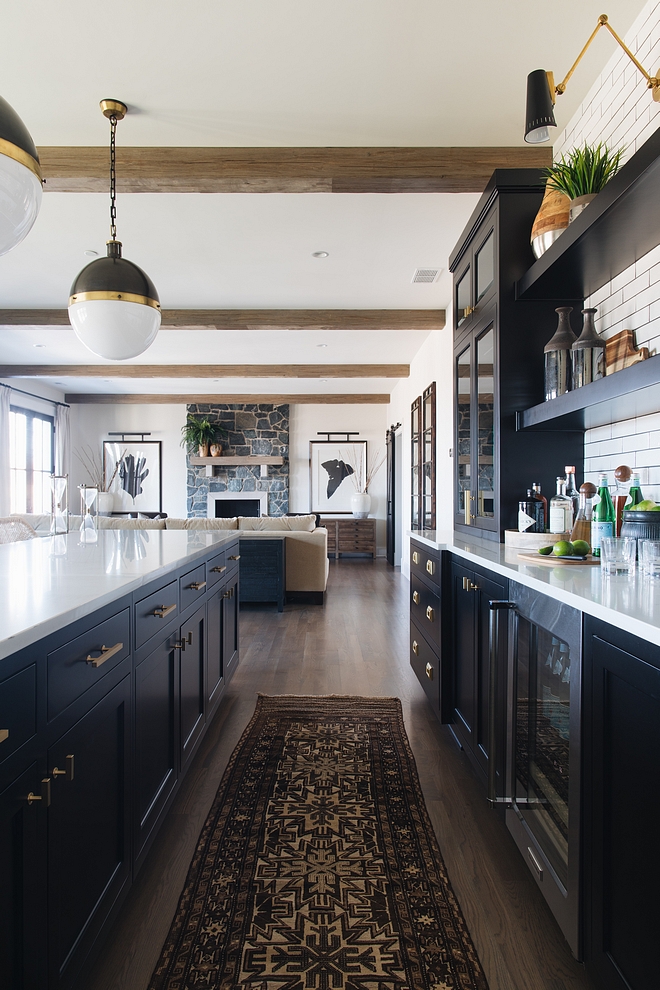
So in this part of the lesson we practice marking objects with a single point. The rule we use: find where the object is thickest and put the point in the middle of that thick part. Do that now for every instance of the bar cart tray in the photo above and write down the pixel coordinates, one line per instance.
(538, 558)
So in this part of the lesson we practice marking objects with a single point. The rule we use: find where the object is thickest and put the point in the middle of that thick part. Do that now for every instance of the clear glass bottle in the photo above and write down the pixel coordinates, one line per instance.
(635, 494)
(603, 518)
(571, 490)
(620, 494)
(582, 525)
(536, 494)
(530, 514)
(561, 510)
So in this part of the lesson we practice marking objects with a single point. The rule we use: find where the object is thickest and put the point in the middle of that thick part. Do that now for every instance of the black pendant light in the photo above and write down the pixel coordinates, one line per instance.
(20, 179)
(114, 307)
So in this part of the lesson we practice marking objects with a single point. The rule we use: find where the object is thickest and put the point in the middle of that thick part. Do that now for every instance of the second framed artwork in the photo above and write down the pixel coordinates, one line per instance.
(133, 473)
(336, 471)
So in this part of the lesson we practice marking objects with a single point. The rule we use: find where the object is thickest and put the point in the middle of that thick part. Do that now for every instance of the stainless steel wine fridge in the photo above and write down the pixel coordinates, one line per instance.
(542, 791)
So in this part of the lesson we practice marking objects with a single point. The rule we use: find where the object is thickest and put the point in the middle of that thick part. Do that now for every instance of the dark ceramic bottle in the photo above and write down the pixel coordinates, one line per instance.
(557, 354)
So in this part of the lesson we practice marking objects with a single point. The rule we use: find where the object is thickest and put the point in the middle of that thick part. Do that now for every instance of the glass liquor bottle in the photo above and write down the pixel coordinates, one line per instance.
(582, 524)
(635, 494)
(571, 490)
(561, 510)
(620, 495)
(603, 519)
(536, 493)
(530, 514)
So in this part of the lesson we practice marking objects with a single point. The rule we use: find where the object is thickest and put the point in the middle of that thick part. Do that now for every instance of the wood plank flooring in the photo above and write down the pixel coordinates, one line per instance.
(356, 644)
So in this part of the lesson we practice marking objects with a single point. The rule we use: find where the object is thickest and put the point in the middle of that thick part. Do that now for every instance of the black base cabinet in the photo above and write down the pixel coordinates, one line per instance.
(621, 808)
(98, 724)
(426, 622)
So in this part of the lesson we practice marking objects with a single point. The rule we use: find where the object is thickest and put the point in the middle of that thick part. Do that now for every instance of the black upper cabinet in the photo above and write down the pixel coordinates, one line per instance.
(498, 361)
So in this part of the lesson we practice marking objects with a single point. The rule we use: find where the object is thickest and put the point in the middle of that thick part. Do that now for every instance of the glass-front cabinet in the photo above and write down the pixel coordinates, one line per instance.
(475, 280)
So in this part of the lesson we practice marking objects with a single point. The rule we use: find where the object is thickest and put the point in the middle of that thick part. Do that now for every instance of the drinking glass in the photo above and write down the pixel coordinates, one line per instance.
(617, 555)
(649, 557)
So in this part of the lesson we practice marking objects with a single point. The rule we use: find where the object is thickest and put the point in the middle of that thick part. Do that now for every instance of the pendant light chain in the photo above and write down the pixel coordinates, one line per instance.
(113, 180)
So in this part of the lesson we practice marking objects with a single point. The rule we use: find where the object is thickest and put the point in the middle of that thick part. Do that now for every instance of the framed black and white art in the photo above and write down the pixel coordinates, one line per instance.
(137, 470)
(337, 470)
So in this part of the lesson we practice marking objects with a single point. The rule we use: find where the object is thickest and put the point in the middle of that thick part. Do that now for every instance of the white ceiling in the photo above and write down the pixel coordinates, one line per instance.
(258, 73)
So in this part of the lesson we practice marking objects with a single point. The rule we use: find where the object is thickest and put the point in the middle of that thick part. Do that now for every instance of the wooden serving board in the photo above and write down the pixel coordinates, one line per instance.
(538, 558)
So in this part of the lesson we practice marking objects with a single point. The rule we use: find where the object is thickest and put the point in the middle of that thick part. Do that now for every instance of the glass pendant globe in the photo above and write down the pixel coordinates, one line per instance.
(113, 328)
(20, 199)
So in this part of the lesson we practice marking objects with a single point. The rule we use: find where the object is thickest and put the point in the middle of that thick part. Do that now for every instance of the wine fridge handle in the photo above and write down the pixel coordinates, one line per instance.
(493, 639)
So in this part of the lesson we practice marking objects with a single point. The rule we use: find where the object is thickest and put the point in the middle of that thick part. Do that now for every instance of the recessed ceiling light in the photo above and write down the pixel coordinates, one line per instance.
(324, 381)
(38, 345)
(91, 253)
(320, 254)
(321, 345)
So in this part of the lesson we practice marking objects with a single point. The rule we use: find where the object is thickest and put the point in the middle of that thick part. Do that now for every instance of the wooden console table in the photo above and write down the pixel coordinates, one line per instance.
(349, 535)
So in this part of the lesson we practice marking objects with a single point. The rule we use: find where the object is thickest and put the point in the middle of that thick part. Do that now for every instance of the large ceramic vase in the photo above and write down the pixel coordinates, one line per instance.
(551, 220)
(360, 505)
(557, 355)
(588, 353)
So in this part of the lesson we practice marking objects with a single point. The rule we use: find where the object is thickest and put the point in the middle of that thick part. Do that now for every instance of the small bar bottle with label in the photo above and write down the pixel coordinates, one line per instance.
(561, 510)
(603, 520)
(530, 514)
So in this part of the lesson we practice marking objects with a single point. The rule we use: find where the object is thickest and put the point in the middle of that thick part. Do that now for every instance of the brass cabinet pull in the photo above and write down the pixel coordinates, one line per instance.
(416, 597)
(4, 734)
(415, 557)
(106, 653)
(430, 614)
(218, 570)
(469, 586)
(415, 647)
(44, 796)
(190, 637)
(468, 502)
(236, 557)
(430, 568)
(229, 593)
(198, 585)
(68, 773)
(163, 610)
(429, 671)
(180, 644)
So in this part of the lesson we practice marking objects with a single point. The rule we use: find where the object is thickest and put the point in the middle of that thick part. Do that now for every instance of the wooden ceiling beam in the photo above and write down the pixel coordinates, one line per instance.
(363, 399)
(133, 371)
(257, 319)
(283, 170)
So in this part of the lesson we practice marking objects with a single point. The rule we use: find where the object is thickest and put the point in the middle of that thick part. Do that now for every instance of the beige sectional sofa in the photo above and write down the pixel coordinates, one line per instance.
(307, 563)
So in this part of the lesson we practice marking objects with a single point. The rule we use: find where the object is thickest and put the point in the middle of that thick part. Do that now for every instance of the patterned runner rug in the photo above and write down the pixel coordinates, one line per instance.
(318, 868)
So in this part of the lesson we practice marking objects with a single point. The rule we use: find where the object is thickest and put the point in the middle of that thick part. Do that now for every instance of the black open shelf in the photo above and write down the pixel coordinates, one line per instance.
(634, 391)
(620, 226)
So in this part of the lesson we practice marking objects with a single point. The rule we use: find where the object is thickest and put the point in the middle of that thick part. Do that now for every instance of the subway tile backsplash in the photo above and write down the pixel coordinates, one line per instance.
(619, 111)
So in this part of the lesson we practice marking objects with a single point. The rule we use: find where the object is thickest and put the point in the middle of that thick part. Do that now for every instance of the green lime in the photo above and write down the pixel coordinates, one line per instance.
(545, 550)
(647, 505)
(563, 549)
(581, 547)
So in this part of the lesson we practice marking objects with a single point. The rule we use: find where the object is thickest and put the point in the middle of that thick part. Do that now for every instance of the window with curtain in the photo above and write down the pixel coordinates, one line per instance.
(31, 459)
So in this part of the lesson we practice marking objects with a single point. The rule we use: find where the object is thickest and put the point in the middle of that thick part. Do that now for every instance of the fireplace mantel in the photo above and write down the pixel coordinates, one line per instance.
(233, 461)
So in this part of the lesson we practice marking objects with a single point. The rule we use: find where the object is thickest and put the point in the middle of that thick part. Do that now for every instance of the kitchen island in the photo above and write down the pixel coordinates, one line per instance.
(114, 656)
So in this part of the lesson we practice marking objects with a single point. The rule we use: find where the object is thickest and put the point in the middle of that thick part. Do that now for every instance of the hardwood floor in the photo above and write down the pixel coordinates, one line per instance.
(356, 644)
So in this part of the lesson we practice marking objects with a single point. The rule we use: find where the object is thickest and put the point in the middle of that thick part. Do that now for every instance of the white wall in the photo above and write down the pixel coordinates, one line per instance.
(433, 363)
(90, 425)
(619, 110)
(307, 420)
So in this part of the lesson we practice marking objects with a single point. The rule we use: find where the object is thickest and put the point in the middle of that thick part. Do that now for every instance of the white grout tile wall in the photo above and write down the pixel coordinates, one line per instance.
(619, 110)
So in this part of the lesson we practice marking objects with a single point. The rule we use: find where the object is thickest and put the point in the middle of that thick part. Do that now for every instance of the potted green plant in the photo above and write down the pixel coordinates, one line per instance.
(583, 174)
(200, 433)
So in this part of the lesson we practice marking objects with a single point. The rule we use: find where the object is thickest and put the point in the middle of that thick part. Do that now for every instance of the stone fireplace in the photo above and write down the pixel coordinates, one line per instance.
(226, 504)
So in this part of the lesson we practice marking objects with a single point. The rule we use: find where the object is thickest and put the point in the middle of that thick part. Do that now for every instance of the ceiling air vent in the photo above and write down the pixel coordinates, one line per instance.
(426, 274)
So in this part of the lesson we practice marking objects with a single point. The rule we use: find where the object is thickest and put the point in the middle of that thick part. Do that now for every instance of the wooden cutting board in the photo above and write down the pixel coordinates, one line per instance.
(538, 558)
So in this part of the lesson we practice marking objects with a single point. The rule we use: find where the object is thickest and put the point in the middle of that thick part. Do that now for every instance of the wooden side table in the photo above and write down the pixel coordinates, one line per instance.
(349, 535)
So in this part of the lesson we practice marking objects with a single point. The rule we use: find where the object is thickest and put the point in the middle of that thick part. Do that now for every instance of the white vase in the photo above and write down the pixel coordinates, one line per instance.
(105, 503)
(361, 504)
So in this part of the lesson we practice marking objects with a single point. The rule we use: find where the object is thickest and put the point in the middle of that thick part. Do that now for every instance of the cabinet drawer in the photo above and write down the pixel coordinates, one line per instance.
(81, 663)
(18, 710)
(424, 661)
(425, 563)
(154, 612)
(425, 609)
(216, 569)
(192, 587)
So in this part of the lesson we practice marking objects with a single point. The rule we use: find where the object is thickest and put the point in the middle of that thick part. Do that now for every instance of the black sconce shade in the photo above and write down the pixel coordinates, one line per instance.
(539, 113)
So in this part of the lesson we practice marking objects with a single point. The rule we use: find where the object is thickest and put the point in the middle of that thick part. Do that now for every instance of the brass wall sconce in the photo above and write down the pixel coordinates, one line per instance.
(541, 89)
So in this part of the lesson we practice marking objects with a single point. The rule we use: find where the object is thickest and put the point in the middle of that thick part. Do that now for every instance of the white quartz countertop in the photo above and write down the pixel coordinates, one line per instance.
(45, 584)
(630, 603)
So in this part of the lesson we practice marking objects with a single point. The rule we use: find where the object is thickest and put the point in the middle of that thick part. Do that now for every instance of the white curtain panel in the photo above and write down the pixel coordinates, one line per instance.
(5, 479)
(62, 440)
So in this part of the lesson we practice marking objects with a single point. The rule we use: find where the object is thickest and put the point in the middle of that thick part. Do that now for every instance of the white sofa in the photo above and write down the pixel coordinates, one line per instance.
(307, 565)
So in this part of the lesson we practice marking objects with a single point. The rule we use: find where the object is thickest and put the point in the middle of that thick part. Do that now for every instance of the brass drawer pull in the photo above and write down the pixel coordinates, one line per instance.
(430, 567)
(218, 570)
(68, 773)
(429, 671)
(430, 614)
(236, 557)
(106, 653)
(415, 557)
(4, 734)
(415, 647)
(416, 597)
(163, 610)
(44, 796)
(198, 585)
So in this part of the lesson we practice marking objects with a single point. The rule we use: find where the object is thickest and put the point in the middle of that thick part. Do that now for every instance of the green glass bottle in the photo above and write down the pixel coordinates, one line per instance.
(634, 493)
(602, 520)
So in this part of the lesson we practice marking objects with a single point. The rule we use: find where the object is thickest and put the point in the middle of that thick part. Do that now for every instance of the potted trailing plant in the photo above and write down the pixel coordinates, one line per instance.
(583, 174)
(200, 433)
